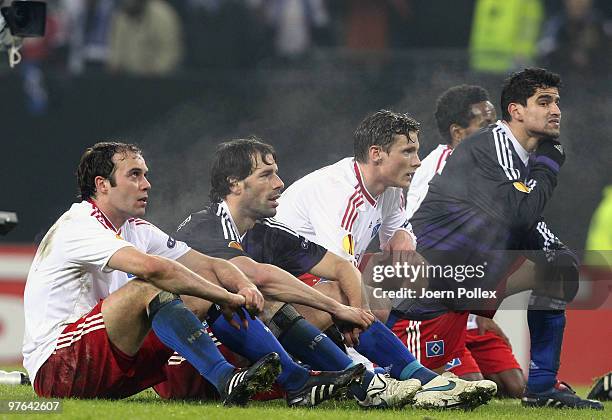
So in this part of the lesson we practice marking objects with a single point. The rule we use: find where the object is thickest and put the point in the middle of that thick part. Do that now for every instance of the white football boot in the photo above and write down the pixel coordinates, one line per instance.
(448, 391)
(386, 392)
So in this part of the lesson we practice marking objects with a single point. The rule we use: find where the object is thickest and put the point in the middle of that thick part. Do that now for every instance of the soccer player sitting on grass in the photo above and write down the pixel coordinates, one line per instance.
(237, 226)
(104, 278)
(82, 341)
(344, 205)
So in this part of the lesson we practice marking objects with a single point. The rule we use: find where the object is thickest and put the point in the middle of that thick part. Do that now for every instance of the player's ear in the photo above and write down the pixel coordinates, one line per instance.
(375, 154)
(235, 186)
(102, 184)
(457, 133)
(516, 111)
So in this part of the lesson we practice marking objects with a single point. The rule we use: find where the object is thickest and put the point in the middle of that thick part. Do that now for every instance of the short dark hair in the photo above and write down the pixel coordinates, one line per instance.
(379, 129)
(454, 106)
(522, 85)
(97, 160)
(235, 159)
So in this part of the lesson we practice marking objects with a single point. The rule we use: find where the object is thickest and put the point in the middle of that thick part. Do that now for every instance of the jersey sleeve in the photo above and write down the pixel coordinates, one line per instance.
(497, 188)
(160, 243)
(206, 236)
(417, 191)
(89, 244)
(420, 180)
(283, 247)
(327, 211)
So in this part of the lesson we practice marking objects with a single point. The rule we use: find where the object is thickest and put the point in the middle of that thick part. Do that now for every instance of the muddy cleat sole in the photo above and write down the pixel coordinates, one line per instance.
(561, 395)
(449, 392)
(245, 383)
(322, 386)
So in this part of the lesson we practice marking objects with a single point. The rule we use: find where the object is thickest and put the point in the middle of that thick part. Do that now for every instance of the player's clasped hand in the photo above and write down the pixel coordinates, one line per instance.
(234, 306)
(351, 322)
(254, 300)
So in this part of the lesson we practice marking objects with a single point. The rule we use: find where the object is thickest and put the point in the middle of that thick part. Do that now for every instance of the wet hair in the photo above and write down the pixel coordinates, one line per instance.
(235, 160)
(97, 160)
(522, 85)
(380, 129)
(454, 106)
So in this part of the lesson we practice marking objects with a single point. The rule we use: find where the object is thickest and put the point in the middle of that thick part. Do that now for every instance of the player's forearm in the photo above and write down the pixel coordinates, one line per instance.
(282, 286)
(176, 278)
(230, 276)
(349, 280)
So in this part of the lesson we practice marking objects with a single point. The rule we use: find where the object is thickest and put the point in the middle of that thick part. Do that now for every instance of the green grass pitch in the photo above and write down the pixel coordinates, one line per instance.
(147, 405)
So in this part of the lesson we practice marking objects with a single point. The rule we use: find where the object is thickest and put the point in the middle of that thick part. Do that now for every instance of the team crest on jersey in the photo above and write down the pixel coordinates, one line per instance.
(348, 244)
(521, 187)
(235, 245)
(434, 348)
(171, 242)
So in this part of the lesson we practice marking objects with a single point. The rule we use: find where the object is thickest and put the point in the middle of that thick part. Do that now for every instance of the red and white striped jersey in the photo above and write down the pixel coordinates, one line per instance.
(333, 208)
(431, 165)
(69, 274)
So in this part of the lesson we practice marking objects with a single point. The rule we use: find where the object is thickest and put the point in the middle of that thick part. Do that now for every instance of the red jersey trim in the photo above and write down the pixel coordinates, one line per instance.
(443, 157)
(100, 217)
(350, 214)
(362, 187)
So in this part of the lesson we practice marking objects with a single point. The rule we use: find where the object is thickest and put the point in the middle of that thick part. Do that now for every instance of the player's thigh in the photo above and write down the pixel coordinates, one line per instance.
(125, 315)
(318, 318)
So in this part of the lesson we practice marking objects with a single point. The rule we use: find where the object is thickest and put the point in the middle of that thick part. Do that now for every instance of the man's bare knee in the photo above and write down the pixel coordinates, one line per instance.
(125, 313)
(196, 305)
(331, 289)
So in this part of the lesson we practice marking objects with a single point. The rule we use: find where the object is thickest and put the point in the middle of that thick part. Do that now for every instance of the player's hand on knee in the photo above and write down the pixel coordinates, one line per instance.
(400, 241)
(254, 300)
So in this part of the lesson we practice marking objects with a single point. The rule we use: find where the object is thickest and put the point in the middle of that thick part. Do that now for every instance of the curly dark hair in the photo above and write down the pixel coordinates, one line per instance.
(454, 106)
(379, 129)
(97, 160)
(235, 159)
(522, 85)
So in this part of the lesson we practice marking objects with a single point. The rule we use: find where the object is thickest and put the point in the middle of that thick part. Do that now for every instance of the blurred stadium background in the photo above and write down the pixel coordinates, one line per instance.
(177, 77)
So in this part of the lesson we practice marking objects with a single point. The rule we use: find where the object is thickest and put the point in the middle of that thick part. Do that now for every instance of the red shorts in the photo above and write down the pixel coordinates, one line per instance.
(85, 364)
(434, 342)
(487, 354)
(184, 382)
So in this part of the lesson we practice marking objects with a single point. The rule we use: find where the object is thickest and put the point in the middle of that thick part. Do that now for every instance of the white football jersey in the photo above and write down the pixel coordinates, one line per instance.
(431, 165)
(332, 208)
(69, 276)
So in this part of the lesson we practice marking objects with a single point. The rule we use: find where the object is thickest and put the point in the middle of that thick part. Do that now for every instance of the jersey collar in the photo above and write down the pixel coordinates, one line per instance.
(225, 207)
(361, 185)
(520, 150)
(101, 217)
